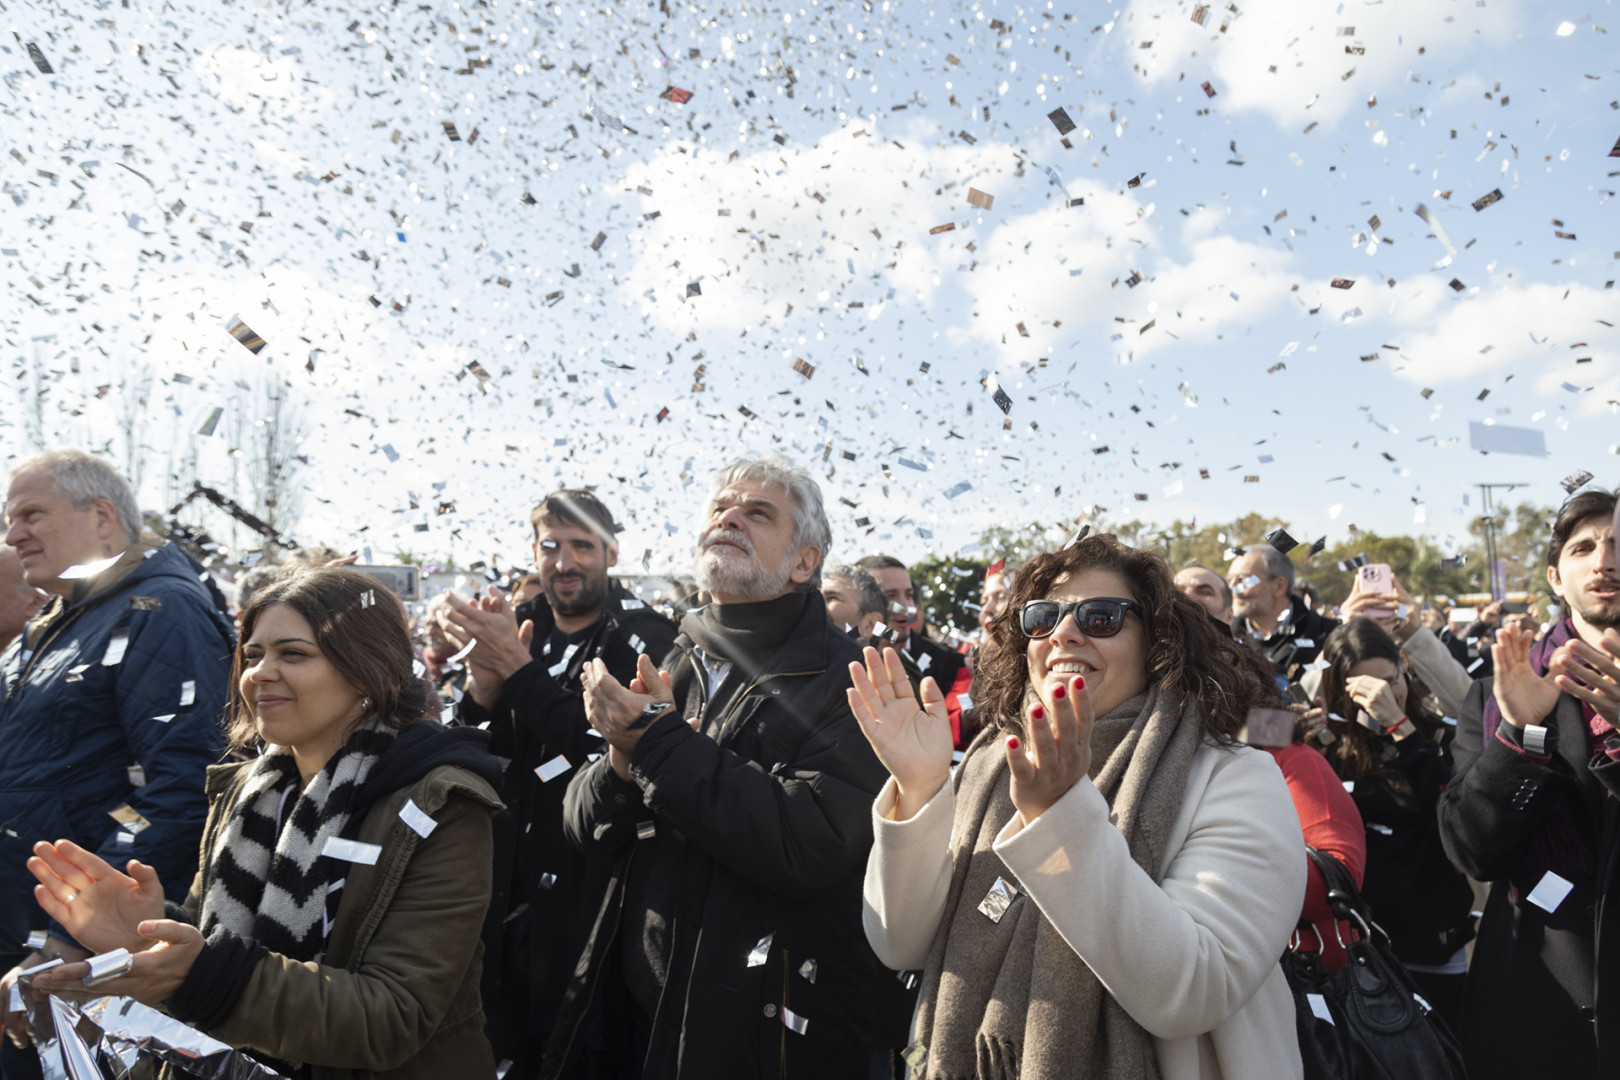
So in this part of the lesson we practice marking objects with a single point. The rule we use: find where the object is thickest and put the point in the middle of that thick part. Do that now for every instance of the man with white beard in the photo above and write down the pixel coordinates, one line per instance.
(733, 811)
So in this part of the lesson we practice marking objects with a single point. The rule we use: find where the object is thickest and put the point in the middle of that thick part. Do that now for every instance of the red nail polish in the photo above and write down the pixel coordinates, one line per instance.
(1037, 712)
(1012, 743)
(1079, 682)
(1059, 692)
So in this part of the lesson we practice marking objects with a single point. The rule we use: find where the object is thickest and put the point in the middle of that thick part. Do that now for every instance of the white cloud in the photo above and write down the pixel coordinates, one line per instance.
(1288, 59)
(1536, 332)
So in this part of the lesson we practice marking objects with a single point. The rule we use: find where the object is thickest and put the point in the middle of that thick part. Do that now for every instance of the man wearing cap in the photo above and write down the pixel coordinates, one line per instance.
(1533, 808)
(525, 688)
(113, 699)
(734, 810)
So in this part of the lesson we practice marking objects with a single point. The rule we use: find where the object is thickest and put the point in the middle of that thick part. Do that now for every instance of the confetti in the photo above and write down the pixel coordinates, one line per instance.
(1575, 481)
(677, 95)
(1342, 283)
(803, 367)
(1060, 120)
(244, 334)
(1279, 539)
(39, 60)
(979, 198)
(1487, 199)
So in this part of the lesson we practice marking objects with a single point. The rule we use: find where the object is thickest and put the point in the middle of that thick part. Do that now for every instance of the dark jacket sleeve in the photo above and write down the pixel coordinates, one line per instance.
(1484, 833)
(797, 829)
(181, 644)
(600, 811)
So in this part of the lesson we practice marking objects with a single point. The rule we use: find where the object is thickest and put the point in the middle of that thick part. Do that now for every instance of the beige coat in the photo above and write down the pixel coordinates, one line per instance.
(397, 995)
(1192, 958)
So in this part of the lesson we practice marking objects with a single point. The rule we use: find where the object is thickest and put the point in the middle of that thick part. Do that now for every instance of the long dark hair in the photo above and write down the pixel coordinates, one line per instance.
(1355, 753)
(1188, 651)
(360, 627)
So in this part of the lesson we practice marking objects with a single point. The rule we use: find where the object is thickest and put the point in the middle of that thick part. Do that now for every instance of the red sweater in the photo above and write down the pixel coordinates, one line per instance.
(1330, 821)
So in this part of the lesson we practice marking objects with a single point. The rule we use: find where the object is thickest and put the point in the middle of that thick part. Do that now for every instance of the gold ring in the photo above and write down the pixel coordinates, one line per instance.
(72, 895)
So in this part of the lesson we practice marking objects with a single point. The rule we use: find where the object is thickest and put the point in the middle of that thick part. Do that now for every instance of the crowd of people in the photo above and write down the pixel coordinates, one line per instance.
(774, 826)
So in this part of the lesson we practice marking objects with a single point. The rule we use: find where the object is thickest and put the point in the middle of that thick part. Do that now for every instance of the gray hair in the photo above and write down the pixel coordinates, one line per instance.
(869, 596)
(810, 527)
(1278, 565)
(82, 481)
(252, 581)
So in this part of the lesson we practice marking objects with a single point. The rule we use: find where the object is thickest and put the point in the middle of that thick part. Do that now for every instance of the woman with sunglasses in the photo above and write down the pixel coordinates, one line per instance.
(1105, 886)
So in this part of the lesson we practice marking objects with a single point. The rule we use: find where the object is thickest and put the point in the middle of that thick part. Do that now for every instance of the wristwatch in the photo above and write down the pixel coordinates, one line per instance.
(1535, 739)
(652, 712)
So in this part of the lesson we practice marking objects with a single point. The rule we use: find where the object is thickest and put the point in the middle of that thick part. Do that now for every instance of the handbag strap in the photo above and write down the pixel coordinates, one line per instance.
(1343, 896)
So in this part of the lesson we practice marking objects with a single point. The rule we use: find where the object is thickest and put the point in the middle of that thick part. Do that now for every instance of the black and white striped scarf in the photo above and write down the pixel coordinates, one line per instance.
(267, 879)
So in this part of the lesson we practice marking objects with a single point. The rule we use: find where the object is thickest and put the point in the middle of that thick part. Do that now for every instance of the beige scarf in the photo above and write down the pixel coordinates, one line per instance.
(1010, 1000)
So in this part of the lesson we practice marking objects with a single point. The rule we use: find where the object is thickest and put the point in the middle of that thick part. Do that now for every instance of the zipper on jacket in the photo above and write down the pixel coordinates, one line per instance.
(742, 695)
(782, 1014)
(39, 650)
(596, 976)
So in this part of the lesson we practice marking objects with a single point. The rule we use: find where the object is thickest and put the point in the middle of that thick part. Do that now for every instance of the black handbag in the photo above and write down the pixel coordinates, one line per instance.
(1365, 1021)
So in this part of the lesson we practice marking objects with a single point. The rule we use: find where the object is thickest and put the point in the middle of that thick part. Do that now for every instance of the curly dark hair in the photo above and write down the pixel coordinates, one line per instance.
(360, 627)
(1354, 754)
(1188, 650)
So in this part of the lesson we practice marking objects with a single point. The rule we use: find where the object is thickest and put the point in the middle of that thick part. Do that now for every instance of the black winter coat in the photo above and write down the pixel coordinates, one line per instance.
(1412, 888)
(1296, 643)
(541, 905)
(1542, 992)
(770, 823)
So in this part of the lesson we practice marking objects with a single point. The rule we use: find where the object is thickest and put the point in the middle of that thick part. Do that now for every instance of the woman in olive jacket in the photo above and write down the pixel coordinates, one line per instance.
(333, 926)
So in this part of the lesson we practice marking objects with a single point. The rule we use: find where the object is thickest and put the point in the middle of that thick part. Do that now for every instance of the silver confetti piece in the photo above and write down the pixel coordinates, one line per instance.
(108, 966)
(756, 958)
(998, 900)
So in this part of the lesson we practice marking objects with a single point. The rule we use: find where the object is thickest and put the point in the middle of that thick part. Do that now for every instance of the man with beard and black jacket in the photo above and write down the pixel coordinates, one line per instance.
(734, 809)
(1265, 611)
(525, 688)
(1533, 807)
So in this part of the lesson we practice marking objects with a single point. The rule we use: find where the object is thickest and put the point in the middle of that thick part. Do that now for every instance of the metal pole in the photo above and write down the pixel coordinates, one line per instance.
(1497, 583)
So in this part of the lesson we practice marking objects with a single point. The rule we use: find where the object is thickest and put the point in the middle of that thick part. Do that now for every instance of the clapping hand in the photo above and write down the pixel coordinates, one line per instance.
(912, 740)
(1590, 673)
(1059, 752)
(614, 710)
(97, 904)
(169, 949)
(501, 646)
(1523, 696)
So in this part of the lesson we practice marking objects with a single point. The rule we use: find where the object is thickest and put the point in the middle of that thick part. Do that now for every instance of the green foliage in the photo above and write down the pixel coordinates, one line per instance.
(948, 591)
(1521, 545)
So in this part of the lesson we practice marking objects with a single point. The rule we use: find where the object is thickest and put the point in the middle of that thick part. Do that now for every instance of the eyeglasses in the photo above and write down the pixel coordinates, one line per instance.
(1100, 616)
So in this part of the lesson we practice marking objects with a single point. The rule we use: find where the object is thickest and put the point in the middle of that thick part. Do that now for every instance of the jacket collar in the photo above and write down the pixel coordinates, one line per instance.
(131, 566)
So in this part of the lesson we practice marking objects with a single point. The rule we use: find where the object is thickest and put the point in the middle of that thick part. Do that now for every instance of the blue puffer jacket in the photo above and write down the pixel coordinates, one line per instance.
(77, 719)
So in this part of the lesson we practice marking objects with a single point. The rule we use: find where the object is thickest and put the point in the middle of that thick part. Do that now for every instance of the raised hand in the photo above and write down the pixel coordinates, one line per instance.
(502, 646)
(913, 741)
(1377, 698)
(1523, 696)
(1059, 752)
(615, 710)
(98, 905)
(1590, 673)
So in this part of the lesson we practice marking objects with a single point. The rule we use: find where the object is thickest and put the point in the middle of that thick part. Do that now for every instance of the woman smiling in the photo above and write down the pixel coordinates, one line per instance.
(333, 926)
(1106, 884)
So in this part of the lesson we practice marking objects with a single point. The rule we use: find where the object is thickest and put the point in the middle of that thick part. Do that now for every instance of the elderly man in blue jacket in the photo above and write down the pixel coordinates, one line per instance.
(112, 700)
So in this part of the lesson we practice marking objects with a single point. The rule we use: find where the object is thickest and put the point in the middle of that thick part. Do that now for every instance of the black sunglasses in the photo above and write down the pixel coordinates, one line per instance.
(1100, 616)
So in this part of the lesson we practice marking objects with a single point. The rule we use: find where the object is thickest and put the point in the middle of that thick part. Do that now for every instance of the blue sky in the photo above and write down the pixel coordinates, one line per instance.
(746, 229)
